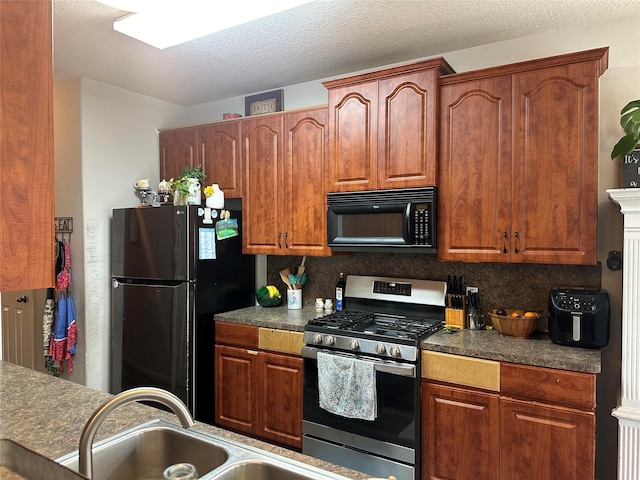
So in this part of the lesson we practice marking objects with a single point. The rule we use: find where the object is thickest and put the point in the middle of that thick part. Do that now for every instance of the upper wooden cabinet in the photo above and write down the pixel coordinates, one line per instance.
(178, 149)
(518, 172)
(219, 154)
(26, 149)
(383, 128)
(284, 165)
(215, 146)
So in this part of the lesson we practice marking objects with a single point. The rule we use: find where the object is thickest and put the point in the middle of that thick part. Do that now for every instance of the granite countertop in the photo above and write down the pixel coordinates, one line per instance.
(537, 350)
(47, 414)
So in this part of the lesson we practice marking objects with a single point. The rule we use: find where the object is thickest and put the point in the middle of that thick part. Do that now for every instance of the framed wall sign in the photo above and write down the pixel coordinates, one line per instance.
(262, 103)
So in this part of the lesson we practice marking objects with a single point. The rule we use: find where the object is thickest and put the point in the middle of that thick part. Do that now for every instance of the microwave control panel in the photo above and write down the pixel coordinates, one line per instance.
(421, 226)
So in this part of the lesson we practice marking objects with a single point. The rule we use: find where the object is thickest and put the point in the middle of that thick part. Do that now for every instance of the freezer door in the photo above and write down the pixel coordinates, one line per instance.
(152, 243)
(151, 337)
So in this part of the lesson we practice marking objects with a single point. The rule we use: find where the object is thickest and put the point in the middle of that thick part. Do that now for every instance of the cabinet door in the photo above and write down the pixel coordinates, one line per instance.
(262, 156)
(304, 182)
(178, 149)
(540, 442)
(280, 396)
(555, 175)
(353, 119)
(219, 145)
(26, 150)
(235, 386)
(407, 130)
(474, 181)
(460, 431)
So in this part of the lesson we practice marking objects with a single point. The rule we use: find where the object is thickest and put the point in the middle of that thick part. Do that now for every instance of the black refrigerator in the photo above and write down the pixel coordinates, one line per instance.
(173, 268)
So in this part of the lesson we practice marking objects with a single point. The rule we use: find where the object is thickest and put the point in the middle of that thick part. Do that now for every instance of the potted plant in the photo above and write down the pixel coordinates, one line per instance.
(180, 190)
(627, 147)
(186, 189)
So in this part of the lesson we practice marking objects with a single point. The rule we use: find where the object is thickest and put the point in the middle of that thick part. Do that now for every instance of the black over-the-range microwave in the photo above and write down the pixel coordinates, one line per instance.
(402, 220)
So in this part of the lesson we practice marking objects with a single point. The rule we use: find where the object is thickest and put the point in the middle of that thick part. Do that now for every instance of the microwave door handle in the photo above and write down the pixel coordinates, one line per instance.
(407, 229)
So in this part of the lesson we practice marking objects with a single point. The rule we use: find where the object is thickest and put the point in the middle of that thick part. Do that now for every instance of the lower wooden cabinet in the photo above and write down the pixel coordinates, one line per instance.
(280, 398)
(541, 442)
(460, 430)
(257, 392)
(540, 425)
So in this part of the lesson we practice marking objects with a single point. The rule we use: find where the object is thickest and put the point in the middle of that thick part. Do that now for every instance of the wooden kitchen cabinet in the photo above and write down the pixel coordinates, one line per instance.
(178, 149)
(235, 388)
(483, 419)
(219, 151)
(215, 146)
(284, 165)
(518, 170)
(26, 149)
(280, 398)
(383, 128)
(257, 392)
(460, 433)
(547, 423)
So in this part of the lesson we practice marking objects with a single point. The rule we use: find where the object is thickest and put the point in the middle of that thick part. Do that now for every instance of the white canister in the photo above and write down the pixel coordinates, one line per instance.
(217, 199)
(294, 299)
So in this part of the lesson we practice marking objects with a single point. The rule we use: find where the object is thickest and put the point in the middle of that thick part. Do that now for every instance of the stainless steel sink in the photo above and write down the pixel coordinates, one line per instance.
(260, 470)
(144, 452)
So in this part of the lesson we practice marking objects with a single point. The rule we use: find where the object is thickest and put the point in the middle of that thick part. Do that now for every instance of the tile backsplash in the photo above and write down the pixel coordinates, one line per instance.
(521, 286)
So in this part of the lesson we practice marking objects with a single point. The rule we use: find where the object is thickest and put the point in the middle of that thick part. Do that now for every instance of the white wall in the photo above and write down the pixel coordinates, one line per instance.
(105, 138)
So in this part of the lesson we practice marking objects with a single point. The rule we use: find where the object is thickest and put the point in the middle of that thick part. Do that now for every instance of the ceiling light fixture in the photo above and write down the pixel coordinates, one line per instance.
(166, 23)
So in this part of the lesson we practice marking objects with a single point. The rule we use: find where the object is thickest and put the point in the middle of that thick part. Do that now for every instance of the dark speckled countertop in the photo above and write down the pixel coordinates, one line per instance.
(47, 414)
(536, 350)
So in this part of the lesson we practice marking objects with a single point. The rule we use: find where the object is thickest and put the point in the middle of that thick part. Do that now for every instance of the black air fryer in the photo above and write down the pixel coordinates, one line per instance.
(579, 318)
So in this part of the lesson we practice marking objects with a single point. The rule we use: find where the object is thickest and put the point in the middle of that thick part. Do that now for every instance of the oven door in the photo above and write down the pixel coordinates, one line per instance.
(395, 428)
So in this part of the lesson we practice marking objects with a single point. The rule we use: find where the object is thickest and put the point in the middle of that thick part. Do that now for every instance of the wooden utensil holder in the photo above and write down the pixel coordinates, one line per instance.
(456, 316)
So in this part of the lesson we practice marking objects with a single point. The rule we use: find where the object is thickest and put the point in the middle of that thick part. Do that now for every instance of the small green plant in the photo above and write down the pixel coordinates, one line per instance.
(181, 185)
(195, 172)
(630, 123)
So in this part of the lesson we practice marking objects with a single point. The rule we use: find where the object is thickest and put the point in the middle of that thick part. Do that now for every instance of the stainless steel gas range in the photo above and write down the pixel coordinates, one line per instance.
(361, 401)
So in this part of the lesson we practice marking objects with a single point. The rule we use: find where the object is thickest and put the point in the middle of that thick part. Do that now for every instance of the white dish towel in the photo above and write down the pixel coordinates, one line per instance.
(347, 386)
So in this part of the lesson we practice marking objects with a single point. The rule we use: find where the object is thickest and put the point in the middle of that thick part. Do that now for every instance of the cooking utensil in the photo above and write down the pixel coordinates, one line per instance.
(294, 281)
(301, 268)
(284, 276)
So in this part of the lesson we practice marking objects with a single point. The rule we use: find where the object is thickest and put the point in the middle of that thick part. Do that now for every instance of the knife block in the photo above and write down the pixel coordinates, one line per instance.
(456, 316)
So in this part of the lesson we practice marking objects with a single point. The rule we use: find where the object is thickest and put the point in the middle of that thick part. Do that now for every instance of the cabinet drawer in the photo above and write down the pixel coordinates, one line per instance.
(549, 385)
(280, 341)
(472, 372)
(237, 334)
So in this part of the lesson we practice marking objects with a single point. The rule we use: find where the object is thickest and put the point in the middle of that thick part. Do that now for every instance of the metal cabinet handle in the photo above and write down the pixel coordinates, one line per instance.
(22, 299)
(516, 242)
(286, 242)
(504, 242)
(279, 237)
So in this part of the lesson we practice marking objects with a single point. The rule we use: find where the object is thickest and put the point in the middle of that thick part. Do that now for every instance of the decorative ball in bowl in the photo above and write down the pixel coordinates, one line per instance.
(268, 296)
(516, 323)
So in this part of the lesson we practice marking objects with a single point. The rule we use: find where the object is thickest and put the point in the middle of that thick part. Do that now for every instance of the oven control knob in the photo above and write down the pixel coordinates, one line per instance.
(354, 344)
(381, 349)
(329, 340)
(317, 338)
(394, 351)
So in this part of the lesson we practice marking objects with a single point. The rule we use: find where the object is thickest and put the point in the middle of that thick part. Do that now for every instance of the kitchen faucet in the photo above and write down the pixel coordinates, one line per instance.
(168, 399)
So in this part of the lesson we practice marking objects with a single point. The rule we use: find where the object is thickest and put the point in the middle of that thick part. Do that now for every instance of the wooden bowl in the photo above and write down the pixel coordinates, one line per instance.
(520, 327)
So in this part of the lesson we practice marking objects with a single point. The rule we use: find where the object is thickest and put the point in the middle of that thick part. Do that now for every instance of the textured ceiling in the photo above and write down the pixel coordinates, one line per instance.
(322, 39)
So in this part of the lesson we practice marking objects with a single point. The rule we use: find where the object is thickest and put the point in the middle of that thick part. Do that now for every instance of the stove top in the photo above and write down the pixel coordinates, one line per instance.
(404, 329)
(385, 317)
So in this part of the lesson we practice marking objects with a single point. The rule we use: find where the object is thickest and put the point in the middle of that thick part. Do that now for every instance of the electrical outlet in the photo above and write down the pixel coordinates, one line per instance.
(472, 290)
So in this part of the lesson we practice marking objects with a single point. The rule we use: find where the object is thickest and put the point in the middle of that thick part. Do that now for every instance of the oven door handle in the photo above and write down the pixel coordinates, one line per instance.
(394, 368)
